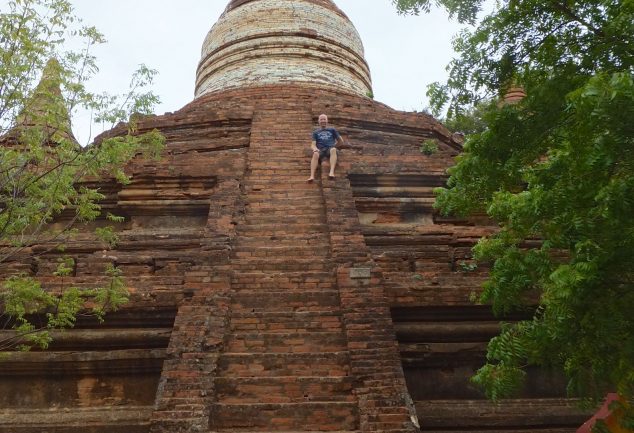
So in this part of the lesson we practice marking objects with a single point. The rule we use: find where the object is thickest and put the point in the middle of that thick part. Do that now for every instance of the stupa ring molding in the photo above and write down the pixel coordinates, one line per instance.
(303, 35)
(252, 40)
(280, 50)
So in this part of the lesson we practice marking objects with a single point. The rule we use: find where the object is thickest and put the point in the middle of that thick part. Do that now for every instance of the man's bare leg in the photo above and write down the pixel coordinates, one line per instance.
(313, 166)
(333, 162)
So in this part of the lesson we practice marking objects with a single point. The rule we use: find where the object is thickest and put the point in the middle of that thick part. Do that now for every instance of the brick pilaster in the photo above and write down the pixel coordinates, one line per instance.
(379, 383)
(186, 388)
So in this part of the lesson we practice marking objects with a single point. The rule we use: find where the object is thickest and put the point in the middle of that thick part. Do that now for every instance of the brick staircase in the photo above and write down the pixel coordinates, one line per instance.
(285, 364)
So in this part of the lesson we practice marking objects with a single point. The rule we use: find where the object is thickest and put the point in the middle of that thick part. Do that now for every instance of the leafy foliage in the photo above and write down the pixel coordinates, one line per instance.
(44, 172)
(23, 297)
(470, 120)
(429, 147)
(558, 167)
(463, 10)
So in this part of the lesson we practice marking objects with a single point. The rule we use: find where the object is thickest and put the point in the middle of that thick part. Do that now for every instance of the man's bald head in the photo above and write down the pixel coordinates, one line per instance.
(323, 120)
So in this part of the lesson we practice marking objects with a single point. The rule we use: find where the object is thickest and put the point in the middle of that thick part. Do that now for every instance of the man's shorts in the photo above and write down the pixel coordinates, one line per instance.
(324, 154)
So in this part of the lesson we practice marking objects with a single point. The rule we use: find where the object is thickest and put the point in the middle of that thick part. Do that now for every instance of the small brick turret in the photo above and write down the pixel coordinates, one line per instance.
(45, 110)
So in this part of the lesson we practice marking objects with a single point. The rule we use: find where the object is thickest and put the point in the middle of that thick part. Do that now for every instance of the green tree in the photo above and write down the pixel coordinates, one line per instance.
(470, 120)
(557, 166)
(43, 169)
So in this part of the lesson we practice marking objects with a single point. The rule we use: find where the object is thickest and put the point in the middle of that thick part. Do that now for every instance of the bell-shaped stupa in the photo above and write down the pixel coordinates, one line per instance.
(261, 42)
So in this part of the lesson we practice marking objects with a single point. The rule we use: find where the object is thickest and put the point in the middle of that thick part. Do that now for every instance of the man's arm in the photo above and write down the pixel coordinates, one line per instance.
(313, 146)
(339, 140)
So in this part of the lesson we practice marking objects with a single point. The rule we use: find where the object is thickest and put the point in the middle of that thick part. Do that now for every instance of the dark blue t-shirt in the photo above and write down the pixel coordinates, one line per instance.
(325, 138)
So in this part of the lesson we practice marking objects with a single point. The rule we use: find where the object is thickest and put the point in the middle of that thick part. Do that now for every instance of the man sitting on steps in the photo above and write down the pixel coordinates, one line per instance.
(324, 141)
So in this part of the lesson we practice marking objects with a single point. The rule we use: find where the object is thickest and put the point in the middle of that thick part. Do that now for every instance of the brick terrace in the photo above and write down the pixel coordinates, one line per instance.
(263, 303)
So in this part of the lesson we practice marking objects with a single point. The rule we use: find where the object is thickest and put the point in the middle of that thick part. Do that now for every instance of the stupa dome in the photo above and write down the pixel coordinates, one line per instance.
(261, 42)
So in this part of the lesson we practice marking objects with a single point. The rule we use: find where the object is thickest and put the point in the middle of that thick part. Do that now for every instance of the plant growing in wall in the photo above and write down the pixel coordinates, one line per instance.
(429, 147)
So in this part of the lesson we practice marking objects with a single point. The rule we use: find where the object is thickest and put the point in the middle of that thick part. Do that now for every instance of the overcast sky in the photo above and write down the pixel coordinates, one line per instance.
(404, 53)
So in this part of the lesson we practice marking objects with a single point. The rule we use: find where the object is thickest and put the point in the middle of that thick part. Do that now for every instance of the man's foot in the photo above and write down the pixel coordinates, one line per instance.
(310, 180)
(331, 176)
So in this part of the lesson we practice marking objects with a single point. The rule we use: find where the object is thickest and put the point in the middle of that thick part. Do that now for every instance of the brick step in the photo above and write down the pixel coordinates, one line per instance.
(289, 389)
(281, 247)
(265, 160)
(278, 158)
(321, 416)
(289, 249)
(277, 186)
(267, 287)
(285, 251)
(293, 210)
(309, 230)
(285, 208)
(291, 129)
(280, 184)
(300, 178)
(287, 167)
(280, 265)
(297, 229)
(289, 223)
(299, 162)
(285, 258)
(279, 203)
(268, 229)
(296, 183)
(312, 240)
(284, 147)
(309, 203)
(291, 126)
(281, 165)
(300, 187)
(273, 276)
(333, 364)
(279, 200)
(277, 155)
(295, 175)
(289, 145)
(286, 342)
(291, 169)
(281, 259)
(277, 114)
(286, 143)
(262, 253)
(281, 321)
(236, 430)
(291, 196)
(297, 186)
(273, 204)
(294, 300)
(288, 219)
(290, 132)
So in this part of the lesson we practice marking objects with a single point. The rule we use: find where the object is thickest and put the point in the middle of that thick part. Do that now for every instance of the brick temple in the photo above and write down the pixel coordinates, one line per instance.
(262, 303)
